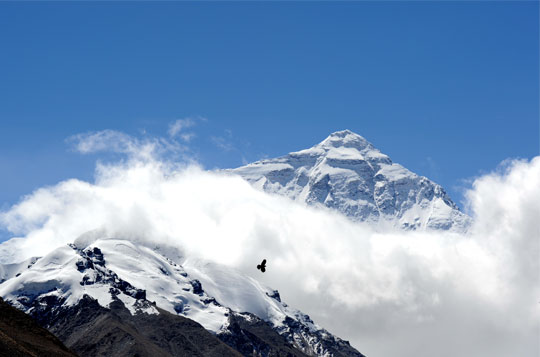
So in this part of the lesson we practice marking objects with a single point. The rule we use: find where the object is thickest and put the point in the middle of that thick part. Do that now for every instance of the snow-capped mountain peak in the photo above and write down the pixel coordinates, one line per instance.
(347, 173)
(145, 278)
(346, 138)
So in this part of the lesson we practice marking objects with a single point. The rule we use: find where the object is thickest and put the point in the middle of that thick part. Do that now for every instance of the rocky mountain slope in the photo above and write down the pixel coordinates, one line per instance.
(348, 174)
(21, 336)
(93, 330)
(101, 294)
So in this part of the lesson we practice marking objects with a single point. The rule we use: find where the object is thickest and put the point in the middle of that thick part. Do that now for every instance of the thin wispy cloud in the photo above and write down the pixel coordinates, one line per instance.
(105, 140)
(177, 129)
(187, 136)
(179, 125)
(222, 143)
(434, 169)
(145, 148)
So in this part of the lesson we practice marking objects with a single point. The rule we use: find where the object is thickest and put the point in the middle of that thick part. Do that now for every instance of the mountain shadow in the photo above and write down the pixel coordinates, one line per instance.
(20, 335)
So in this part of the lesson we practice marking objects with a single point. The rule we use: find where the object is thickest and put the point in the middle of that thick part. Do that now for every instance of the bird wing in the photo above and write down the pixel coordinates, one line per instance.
(263, 262)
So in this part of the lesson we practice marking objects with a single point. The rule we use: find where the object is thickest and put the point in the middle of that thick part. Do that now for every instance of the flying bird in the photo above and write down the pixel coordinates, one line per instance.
(262, 266)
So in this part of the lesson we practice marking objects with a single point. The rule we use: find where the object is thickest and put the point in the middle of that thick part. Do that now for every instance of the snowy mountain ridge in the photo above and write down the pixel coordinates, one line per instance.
(143, 278)
(348, 174)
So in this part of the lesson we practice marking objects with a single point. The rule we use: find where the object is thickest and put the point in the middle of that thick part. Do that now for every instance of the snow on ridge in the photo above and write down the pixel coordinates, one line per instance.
(346, 138)
(161, 275)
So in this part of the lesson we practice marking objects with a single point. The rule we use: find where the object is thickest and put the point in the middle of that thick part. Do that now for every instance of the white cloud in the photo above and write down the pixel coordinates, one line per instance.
(178, 128)
(180, 124)
(222, 143)
(187, 137)
(391, 293)
(149, 148)
(105, 140)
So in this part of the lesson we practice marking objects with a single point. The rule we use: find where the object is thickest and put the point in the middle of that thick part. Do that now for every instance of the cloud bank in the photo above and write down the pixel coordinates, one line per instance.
(391, 293)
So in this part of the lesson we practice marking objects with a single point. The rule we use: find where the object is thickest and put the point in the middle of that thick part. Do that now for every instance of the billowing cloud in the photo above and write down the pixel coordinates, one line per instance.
(389, 292)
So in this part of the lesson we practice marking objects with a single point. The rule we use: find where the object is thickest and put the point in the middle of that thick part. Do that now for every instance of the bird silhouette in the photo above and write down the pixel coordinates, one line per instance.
(262, 266)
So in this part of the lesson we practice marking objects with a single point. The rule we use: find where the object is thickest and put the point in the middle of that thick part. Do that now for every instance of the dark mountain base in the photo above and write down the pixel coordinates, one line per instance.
(254, 337)
(92, 330)
(20, 335)
(299, 335)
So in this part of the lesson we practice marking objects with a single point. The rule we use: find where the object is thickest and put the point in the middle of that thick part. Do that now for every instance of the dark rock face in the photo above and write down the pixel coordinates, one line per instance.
(300, 336)
(252, 336)
(20, 335)
(197, 287)
(274, 295)
(92, 264)
(92, 330)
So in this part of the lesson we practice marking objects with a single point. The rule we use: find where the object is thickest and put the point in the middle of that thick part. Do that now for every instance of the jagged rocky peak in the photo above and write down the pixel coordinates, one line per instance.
(346, 173)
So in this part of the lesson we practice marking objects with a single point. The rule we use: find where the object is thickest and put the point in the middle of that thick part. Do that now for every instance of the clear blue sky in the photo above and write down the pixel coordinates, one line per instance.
(448, 89)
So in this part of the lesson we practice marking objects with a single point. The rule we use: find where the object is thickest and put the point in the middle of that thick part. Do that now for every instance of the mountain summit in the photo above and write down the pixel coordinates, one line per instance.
(345, 172)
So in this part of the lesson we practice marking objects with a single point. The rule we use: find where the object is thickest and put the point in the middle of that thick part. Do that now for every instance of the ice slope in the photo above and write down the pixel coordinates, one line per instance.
(347, 173)
(8, 271)
(143, 277)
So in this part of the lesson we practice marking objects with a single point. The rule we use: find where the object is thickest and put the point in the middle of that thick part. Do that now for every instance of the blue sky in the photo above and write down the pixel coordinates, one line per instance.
(447, 89)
